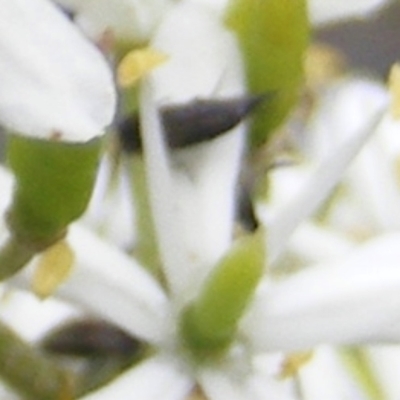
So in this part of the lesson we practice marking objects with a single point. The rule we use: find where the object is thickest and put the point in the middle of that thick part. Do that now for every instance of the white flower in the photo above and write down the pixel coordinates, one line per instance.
(55, 84)
(337, 304)
(350, 301)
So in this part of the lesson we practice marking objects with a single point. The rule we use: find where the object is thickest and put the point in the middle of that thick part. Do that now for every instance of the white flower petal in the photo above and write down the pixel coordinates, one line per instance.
(72, 5)
(218, 6)
(15, 306)
(54, 83)
(203, 63)
(205, 198)
(110, 284)
(156, 378)
(351, 301)
(319, 185)
(312, 243)
(385, 362)
(133, 20)
(224, 383)
(160, 185)
(323, 11)
(343, 109)
(6, 194)
(373, 181)
(326, 377)
(204, 60)
(367, 198)
(110, 212)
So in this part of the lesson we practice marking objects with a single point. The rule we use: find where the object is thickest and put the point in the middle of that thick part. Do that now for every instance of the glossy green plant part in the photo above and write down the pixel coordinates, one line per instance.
(273, 37)
(209, 324)
(54, 181)
(29, 373)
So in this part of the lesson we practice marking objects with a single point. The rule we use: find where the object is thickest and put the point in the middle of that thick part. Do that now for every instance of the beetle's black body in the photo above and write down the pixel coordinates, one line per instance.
(91, 338)
(192, 123)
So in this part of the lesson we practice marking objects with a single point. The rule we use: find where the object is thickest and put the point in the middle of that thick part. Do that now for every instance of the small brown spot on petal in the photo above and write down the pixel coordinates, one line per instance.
(56, 136)
(106, 42)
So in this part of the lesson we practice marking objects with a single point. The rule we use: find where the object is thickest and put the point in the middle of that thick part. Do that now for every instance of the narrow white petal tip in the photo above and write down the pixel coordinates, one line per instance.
(55, 84)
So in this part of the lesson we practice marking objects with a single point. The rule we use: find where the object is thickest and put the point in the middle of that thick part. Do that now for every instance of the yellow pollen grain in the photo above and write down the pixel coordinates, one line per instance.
(53, 268)
(137, 64)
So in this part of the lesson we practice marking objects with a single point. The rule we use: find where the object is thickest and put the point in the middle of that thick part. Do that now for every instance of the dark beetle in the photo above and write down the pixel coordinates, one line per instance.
(100, 350)
(91, 338)
(197, 122)
(192, 123)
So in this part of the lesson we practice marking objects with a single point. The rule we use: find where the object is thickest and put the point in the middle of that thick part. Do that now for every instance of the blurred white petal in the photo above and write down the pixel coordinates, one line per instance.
(314, 243)
(342, 110)
(54, 83)
(133, 20)
(368, 196)
(224, 383)
(327, 173)
(350, 301)
(326, 377)
(385, 362)
(372, 180)
(204, 60)
(112, 285)
(218, 6)
(160, 186)
(200, 192)
(16, 305)
(6, 190)
(325, 11)
(110, 212)
(156, 378)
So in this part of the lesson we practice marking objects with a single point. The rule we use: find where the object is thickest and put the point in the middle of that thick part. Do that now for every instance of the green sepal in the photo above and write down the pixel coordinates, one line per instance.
(54, 182)
(273, 37)
(208, 325)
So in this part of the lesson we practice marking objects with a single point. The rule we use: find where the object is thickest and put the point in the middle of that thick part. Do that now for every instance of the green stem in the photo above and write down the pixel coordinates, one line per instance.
(28, 372)
(14, 255)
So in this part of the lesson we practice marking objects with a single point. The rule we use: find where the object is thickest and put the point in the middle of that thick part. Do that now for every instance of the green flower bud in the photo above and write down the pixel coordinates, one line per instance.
(273, 36)
(54, 181)
(209, 324)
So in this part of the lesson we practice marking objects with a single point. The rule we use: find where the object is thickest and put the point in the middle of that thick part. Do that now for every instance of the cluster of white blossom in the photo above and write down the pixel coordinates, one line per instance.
(345, 292)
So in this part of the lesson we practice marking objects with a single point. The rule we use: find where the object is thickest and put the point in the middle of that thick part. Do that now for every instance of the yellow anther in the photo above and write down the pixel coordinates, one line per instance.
(138, 63)
(52, 269)
(293, 363)
(323, 64)
(394, 89)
